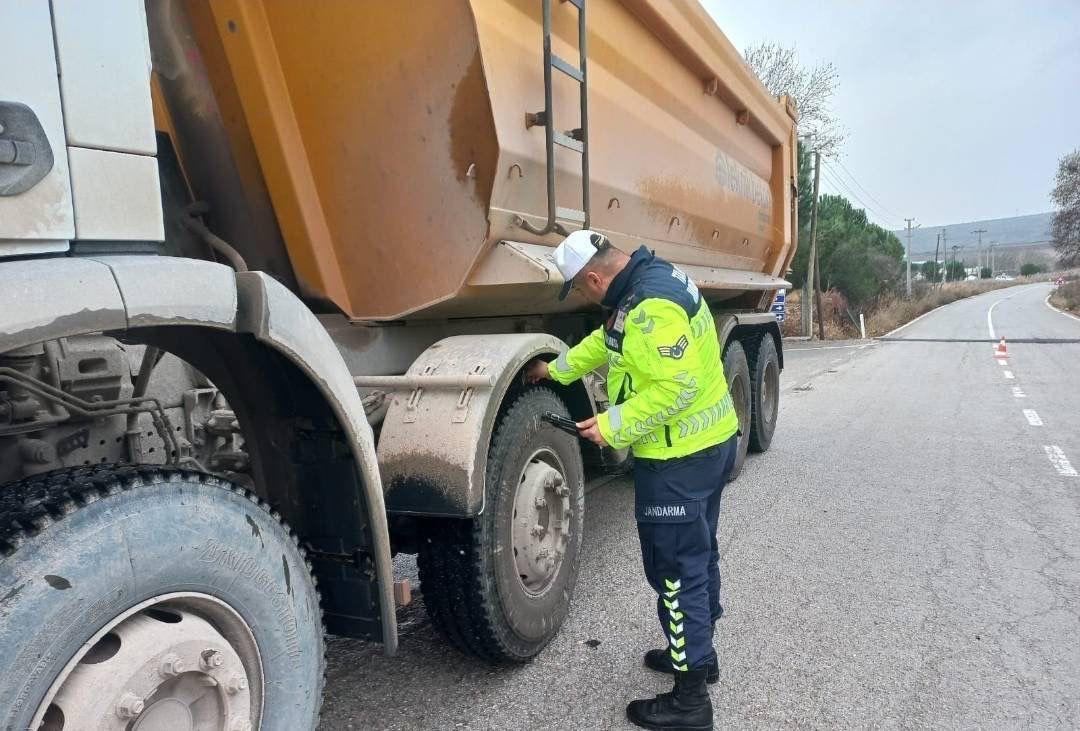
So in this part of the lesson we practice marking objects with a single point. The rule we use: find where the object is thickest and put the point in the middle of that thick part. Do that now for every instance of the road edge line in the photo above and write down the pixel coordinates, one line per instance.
(962, 299)
(1059, 311)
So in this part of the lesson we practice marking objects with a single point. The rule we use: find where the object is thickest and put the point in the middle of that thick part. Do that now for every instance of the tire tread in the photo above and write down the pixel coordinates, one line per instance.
(32, 505)
(454, 562)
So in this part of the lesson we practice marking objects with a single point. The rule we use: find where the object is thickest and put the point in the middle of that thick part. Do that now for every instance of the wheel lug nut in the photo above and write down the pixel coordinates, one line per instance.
(171, 665)
(235, 684)
(540, 502)
(130, 705)
(211, 659)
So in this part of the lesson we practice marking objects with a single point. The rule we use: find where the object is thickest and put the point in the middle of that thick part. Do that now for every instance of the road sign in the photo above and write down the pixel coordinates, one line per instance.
(779, 305)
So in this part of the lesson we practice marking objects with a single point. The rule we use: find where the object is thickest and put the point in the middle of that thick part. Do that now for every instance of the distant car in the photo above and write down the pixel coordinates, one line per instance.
(1059, 281)
(970, 278)
(1004, 277)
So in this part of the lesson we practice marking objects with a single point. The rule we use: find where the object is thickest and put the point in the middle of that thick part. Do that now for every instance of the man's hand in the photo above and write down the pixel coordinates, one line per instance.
(537, 371)
(589, 430)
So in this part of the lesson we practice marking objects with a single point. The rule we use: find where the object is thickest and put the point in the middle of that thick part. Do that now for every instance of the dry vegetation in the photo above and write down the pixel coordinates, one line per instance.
(1067, 297)
(891, 310)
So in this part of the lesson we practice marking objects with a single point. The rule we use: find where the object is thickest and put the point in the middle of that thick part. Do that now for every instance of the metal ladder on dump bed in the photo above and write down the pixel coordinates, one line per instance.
(576, 140)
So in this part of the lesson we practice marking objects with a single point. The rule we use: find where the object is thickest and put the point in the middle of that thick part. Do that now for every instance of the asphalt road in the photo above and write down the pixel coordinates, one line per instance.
(906, 554)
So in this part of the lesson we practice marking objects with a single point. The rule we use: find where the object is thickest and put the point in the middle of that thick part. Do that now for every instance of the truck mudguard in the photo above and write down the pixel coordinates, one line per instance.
(433, 448)
(46, 299)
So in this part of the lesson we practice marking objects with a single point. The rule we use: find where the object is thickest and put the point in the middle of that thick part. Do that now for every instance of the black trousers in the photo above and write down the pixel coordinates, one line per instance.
(677, 505)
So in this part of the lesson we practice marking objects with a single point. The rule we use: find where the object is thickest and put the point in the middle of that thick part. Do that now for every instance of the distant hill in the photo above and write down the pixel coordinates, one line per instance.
(1033, 230)
(1020, 240)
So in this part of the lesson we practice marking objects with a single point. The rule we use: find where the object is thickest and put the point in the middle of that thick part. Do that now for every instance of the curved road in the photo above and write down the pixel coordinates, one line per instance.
(907, 554)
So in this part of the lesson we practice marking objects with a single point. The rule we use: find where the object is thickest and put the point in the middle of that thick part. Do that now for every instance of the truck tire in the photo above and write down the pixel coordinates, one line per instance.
(499, 585)
(156, 597)
(764, 391)
(738, 377)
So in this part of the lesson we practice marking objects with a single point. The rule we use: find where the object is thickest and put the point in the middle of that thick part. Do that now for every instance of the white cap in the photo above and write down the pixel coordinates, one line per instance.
(574, 253)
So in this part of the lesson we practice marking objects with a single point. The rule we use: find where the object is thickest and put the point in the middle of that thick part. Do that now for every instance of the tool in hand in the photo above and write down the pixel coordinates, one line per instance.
(561, 422)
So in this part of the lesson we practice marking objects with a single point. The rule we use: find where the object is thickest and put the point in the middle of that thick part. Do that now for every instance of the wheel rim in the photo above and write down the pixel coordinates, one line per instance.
(177, 662)
(541, 521)
(770, 388)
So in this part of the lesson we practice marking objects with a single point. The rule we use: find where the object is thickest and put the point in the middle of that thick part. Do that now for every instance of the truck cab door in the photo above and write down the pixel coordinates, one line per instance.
(36, 213)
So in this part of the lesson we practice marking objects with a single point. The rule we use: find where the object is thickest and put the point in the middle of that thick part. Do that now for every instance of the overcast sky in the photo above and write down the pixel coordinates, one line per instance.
(955, 111)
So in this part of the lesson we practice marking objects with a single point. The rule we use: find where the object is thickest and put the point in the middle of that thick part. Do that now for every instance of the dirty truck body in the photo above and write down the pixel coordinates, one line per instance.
(270, 273)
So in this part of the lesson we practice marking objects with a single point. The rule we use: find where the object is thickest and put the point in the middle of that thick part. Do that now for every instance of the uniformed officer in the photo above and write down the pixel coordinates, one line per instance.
(670, 404)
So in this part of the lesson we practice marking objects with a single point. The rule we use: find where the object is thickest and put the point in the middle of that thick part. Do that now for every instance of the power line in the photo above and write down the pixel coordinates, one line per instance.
(838, 182)
(875, 206)
(847, 189)
(863, 188)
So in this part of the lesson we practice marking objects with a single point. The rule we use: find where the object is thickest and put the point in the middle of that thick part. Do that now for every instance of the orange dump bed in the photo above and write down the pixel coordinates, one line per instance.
(392, 140)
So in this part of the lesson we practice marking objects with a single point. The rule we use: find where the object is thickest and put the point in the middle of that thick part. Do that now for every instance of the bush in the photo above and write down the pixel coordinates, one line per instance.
(1028, 269)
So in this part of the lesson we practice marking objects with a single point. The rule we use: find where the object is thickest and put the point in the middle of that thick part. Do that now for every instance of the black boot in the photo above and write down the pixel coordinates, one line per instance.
(659, 661)
(686, 708)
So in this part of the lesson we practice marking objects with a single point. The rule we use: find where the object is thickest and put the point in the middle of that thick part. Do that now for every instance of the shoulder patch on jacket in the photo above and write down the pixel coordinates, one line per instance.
(675, 351)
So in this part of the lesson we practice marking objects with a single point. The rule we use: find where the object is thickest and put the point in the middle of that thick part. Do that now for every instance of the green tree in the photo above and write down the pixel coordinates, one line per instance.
(955, 272)
(931, 270)
(858, 257)
(806, 202)
(985, 273)
(1028, 269)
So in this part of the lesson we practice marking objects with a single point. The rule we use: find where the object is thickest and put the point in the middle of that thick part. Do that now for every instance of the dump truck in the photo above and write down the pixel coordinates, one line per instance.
(270, 275)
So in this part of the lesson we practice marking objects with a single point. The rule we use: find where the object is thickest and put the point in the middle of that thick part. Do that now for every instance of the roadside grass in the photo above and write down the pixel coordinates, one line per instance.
(1067, 297)
(892, 310)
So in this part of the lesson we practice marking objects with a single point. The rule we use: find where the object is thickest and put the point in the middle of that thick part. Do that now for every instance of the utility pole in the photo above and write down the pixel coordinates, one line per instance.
(945, 252)
(817, 288)
(978, 251)
(993, 245)
(937, 247)
(909, 222)
(811, 265)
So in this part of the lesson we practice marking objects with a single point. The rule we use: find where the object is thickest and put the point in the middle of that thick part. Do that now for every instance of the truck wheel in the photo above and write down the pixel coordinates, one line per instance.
(738, 378)
(764, 392)
(139, 597)
(499, 586)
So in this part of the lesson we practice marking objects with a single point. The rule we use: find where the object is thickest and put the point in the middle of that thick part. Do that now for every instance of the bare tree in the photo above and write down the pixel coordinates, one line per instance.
(1065, 224)
(812, 89)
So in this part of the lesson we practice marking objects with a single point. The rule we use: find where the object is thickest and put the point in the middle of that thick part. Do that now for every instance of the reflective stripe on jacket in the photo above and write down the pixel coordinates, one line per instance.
(665, 383)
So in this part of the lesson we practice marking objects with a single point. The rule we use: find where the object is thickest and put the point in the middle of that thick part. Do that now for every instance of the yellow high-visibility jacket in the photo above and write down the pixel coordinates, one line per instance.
(665, 376)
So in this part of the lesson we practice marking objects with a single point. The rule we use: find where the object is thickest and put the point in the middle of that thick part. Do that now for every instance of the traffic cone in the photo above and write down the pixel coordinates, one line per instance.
(1000, 351)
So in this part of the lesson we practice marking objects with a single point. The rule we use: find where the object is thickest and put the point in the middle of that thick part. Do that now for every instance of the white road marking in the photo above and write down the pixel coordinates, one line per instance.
(826, 347)
(1055, 309)
(1059, 460)
(1002, 362)
(990, 315)
(1032, 417)
(1018, 392)
(1008, 374)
